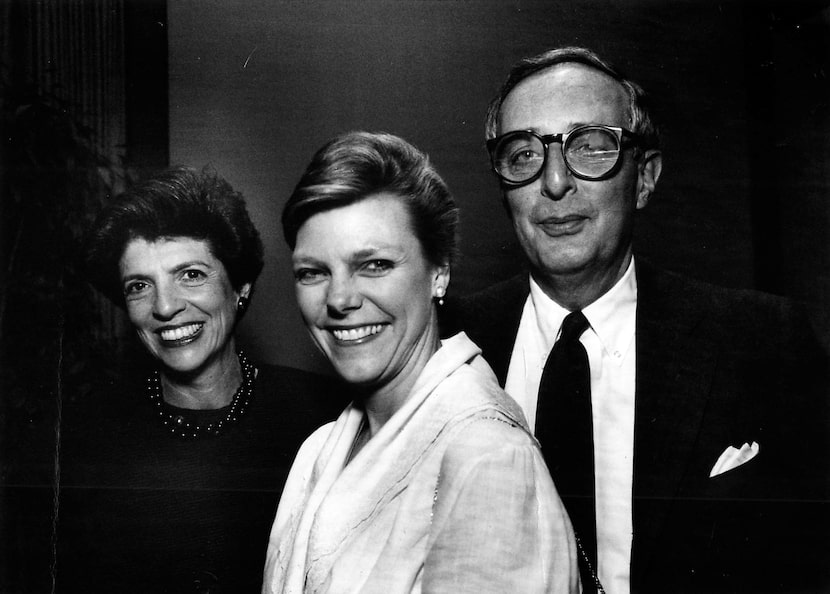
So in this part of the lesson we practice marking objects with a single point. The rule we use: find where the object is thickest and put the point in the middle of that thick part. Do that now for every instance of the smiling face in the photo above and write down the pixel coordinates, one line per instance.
(365, 291)
(181, 302)
(573, 230)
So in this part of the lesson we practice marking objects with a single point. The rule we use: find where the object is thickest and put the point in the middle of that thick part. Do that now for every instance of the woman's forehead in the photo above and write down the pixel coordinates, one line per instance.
(165, 252)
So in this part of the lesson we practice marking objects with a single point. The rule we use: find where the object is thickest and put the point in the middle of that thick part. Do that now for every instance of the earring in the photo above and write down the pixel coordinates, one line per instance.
(439, 292)
(242, 304)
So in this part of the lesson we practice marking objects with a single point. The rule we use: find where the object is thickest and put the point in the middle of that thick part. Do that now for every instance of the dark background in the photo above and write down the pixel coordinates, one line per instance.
(742, 90)
(98, 93)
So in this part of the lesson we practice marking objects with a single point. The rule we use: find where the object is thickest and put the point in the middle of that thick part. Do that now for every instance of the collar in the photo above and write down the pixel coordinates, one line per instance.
(612, 317)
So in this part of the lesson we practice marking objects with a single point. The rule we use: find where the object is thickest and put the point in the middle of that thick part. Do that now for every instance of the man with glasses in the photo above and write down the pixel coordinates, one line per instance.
(682, 423)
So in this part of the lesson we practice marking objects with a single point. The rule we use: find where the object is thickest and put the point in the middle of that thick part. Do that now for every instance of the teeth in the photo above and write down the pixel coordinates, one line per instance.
(180, 333)
(357, 333)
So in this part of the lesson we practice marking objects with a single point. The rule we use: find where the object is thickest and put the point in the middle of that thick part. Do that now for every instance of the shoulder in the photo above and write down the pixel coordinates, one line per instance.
(472, 390)
(106, 408)
(653, 281)
(488, 432)
(489, 424)
(98, 430)
(293, 378)
(721, 309)
(507, 292)
(491, 302)
(475, 413)
(487, 450)
(289, 386)
(295, 402)
(313, 444)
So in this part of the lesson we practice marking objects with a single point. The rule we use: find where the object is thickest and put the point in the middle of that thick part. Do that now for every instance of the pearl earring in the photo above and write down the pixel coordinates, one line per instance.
(439, 292)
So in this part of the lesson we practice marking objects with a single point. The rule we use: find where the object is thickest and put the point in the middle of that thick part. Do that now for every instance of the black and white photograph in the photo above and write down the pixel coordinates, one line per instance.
(414, 296)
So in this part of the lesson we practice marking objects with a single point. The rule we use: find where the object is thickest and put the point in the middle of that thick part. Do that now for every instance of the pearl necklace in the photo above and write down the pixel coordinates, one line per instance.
(177, 424)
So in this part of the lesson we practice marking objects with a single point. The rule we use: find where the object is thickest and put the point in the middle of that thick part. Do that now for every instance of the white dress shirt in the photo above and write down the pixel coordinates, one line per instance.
(609, 343)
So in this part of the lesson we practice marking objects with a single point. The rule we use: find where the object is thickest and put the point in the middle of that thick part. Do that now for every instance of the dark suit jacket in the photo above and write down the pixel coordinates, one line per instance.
(715, 367)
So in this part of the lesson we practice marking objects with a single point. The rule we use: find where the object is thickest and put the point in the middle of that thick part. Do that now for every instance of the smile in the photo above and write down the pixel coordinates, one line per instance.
(356, 334)
(182, 333)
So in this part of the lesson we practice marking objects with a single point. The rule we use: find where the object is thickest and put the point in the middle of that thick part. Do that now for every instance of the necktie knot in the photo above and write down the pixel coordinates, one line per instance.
(573, 326)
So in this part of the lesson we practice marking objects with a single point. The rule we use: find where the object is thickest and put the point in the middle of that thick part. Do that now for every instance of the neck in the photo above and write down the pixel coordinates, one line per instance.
(208, 389)
(381, 403)
(577, 290)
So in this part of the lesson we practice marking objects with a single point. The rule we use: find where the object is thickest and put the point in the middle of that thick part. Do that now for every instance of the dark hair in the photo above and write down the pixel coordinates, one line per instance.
(356, 165)
(179, 202)
(639, 110)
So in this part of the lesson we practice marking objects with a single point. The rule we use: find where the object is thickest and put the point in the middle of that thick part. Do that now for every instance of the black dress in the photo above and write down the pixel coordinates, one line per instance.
(144, 510)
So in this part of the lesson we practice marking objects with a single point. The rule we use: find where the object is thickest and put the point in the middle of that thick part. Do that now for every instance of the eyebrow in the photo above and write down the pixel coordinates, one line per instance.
(174, 270)
(301, 258)
(190, 263)
(369, 252)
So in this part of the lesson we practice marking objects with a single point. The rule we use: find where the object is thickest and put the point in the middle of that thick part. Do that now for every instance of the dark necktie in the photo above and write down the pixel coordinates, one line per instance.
(565, 430)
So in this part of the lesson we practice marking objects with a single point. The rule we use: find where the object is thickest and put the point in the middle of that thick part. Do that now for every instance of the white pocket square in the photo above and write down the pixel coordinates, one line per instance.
(733, 457)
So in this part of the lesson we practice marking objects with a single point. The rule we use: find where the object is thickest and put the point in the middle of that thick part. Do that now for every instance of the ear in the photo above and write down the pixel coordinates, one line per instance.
(440, 280)
(245, 291)
(650, 168)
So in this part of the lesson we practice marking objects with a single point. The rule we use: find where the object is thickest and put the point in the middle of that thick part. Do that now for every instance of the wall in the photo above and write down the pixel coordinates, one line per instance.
(254, 89)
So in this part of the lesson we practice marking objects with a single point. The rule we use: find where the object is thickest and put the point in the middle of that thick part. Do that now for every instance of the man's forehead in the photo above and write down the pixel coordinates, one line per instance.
(569, 85)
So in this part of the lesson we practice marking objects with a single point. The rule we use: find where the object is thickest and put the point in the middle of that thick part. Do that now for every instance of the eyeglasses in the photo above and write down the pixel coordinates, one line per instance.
(589, 152)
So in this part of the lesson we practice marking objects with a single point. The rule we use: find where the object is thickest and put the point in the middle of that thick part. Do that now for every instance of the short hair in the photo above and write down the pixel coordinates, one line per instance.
(639, 108)
(178, 202)
(357, 165)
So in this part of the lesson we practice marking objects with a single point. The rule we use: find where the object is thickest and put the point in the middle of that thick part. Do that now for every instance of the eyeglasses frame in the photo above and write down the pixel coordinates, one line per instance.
(622, 135)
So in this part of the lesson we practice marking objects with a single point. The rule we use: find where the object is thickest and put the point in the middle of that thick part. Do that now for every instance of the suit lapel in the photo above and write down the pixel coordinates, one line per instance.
(675, 366)
(491, 320)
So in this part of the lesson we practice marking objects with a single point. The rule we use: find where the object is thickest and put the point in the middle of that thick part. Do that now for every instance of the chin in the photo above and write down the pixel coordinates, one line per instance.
(357, 375)
(565, 260)
(180, 367)
(183, 362)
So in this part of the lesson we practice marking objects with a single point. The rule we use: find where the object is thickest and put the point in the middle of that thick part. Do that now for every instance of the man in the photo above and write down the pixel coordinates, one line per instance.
(707, 458)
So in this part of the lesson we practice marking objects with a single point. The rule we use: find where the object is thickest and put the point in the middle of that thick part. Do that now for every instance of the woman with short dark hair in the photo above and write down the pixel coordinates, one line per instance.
(170, 482)
(429, 481)
(179, 202)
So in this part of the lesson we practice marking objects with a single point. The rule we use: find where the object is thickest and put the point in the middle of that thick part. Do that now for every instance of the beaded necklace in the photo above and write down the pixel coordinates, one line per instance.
(181, 427)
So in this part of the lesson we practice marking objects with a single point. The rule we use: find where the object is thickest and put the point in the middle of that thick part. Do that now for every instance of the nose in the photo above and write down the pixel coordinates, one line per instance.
(556, 178)
(342, 296)
(168, 302)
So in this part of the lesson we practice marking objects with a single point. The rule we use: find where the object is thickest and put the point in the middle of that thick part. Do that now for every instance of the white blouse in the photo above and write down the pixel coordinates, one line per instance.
(451, 495)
